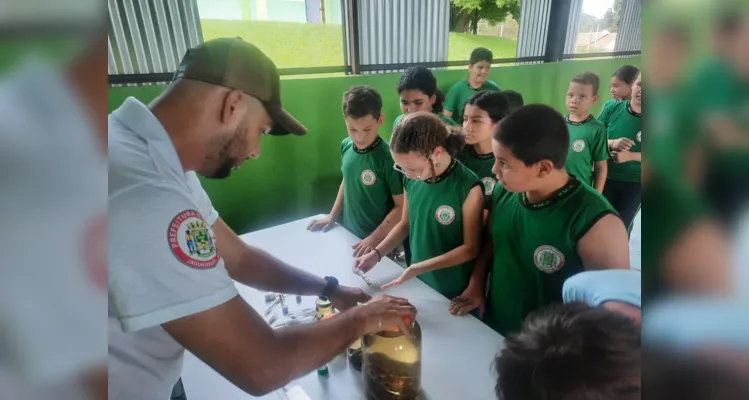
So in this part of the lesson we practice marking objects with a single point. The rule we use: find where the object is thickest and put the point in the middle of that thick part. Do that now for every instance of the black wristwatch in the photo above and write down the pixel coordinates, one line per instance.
(330, 286)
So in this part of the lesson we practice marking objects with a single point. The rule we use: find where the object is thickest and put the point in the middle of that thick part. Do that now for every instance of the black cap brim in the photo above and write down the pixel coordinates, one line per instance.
(284, 123)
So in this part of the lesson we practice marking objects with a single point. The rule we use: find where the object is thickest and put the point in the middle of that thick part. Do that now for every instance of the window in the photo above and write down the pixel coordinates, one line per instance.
(603, 26)
(495, 28)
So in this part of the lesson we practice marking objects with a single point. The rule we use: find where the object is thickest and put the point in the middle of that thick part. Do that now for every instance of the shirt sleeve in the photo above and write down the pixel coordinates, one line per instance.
(600, 145)
(451, 101)
(201, 197)
(163, 263)
(393, 178)
(604, 116)
(598, 287)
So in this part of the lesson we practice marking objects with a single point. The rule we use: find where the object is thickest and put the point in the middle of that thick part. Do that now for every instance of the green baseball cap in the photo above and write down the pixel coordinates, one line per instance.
(238, 65)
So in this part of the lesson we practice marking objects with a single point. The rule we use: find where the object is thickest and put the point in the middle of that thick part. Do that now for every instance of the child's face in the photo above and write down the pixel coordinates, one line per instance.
(619, 89)
(477, 125)
(580, 98)
(413, 165)
(480, 71)
(512, 173)
(637, 90)
(416, 100)
(363, 130)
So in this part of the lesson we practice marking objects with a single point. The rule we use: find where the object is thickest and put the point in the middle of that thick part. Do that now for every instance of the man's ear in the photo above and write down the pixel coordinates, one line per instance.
(234, 105)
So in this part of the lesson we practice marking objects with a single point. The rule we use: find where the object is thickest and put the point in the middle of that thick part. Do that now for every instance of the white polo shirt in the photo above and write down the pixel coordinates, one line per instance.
(163, 263)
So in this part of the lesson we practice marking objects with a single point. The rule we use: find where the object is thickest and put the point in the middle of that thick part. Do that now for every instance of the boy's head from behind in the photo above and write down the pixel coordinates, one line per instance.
(582, 93)
(480, 65)
(569, 352)
(481, 114)
(514, 98)
(362, 110)
(529, 144)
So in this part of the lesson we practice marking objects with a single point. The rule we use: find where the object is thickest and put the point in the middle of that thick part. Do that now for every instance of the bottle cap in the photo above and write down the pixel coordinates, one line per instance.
(406, 320)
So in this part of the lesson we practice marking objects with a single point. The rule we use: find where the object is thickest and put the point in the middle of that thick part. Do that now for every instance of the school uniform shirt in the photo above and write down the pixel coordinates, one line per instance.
(460, 93)
(535, 249)
(588, 145)
(436, 224)
(163, 263)
(447, 120)
(622, 121)
(53, 291)
(481, 165)
(369, 184)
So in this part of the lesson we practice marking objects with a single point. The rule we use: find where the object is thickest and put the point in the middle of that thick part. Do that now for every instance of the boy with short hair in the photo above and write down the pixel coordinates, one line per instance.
(588, 140)
(370, 198)
(514, 98)
(545, 225)
(571, 351)
(479, 68)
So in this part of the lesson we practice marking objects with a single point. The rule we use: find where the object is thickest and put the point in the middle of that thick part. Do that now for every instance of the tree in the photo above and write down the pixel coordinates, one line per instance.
(611, 18)
(588, 23)
(466, 14)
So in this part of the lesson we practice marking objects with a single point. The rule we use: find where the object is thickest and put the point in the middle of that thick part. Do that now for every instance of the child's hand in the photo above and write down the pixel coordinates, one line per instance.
(367, 261)
(621, 156)
(325, 224)
(622, 144)
(471, 299)
(365, 246)
(410, 272)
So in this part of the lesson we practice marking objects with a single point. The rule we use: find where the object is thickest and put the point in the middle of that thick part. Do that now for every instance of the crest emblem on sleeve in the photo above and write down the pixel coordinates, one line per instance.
(578, 145)
(192, 241)
(639, 136)
(548, 259)
(489, 184)
(368, 177)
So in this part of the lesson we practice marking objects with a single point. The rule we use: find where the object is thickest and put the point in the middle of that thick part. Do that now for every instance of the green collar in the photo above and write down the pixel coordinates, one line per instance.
(565, 191)
(567, 118)
(448, 171)
(370, 147)
(631, 111)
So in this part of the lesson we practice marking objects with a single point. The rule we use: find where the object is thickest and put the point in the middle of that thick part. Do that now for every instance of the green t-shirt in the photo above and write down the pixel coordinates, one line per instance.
(621, 121)
(436, 224)
(459, 95)
(481, 165)
(535, 249)
(369, 184)
(447, 120)
(588, 144)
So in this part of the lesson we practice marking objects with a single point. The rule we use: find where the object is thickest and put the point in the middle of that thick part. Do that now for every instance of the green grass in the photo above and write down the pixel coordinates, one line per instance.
(291, 44)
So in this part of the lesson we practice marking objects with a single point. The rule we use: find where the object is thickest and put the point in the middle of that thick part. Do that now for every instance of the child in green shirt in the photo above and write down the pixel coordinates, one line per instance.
(442, 210)
(588, 145)
(478, 74)
(620, 85)
(370, 197)
(417, 90)
(545, 225)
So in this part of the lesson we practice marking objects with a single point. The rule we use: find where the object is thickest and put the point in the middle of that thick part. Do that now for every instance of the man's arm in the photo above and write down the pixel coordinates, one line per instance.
(236, 342)
(602, 171)
(605, 245)
(329, 222)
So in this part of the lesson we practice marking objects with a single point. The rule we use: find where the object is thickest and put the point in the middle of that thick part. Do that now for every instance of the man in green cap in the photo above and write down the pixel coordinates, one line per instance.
(167, 295)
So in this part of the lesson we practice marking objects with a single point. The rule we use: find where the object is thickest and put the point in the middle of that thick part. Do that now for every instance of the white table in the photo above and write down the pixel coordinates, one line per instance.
(457, 351)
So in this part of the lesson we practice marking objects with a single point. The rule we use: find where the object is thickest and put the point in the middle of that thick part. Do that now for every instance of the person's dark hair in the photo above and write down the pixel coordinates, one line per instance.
(568, 352)
(533, 133)
(422, 132)
(360, 101)
(728, 24)
(514, 98)
(421, 79)
(588, 78)
(627, 74)
(481, 54)
(493, 102)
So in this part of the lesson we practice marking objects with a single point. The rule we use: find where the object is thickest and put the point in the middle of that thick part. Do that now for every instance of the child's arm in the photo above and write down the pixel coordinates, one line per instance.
(329, 222)
(627, 156)
(475, 294)
(451, 102)
(472, 212)
(602, 171)
(397, 235)
(382, 231)
(605, 245)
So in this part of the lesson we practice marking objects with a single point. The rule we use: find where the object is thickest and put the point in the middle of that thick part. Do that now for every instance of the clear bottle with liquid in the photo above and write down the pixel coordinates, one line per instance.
(391, 364)
(323, 309)
(355, 355)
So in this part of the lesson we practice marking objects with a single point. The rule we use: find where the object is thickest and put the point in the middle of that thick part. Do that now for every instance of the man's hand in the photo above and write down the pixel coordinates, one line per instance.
(386, 311)
(622, 144)
(471, 299)
(409, 273)
(621, 156)
(365, 246)
(346, 297)
(324, 224)
(367, 261)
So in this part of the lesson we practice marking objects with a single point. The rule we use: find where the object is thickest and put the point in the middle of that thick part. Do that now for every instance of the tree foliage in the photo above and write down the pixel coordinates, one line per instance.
(466, 14)
(612, 16)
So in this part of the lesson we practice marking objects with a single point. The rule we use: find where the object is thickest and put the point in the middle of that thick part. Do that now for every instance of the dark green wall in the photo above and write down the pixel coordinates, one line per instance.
(297, 177)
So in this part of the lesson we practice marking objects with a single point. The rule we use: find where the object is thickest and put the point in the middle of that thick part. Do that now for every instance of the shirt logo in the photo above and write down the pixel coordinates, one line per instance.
(578, 145)
(192, 240)
(548, 259)
(445, 215)
(639, 136)
(489, 184)
(368, 177)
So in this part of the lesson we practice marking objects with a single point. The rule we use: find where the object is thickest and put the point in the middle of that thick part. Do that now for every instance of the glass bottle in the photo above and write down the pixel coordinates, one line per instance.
(391, 364)
(323, 307)
(355, 355)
